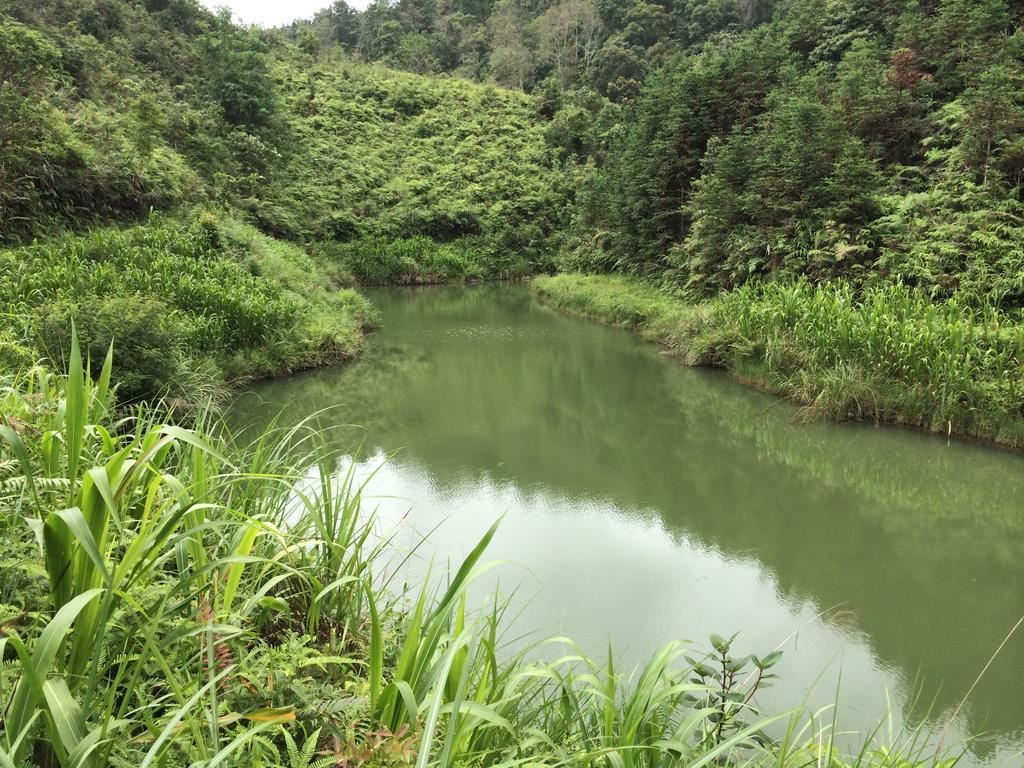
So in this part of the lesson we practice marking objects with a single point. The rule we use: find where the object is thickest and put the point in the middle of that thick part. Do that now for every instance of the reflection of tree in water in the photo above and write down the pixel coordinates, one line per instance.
(918, 542)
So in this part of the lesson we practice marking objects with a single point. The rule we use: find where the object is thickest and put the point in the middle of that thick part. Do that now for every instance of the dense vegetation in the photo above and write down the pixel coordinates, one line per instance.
(115, 108)
(714, 144)
(190, 306)
(822, 195)
(178, 597)
(379, 156)
(286, 178)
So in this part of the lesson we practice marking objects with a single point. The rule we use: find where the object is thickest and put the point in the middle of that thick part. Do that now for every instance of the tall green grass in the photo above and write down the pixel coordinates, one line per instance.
(936, 364)
(177, 597)
(193, 304)
(884, 353)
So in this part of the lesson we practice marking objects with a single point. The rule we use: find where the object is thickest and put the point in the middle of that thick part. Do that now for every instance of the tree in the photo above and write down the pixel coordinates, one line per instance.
(148, 122)
(416, 54)
(472, 48)
(239, 78)
(787, 195)
(694, 21)
(387, 39)
(342, 21)
(993, 117)
(451, 31)
(965, 38)
(615, 65)
(418, 15)
(511, 61)
(373, 42)
(645, 24)
(569, 37)
(877, 95)
(658, 153)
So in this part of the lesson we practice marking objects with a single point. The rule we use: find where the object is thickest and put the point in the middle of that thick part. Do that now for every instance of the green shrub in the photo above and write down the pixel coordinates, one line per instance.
(15, 354)
(173, 293)
(957, 238)
(377, 261)
(149, 337)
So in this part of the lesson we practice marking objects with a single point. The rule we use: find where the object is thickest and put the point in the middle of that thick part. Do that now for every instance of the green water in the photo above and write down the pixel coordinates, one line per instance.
(645, 501)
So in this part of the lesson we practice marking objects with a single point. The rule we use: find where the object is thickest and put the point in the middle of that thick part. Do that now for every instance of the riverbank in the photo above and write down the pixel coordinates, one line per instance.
(888, 356)
(216, 608)
(196, 304)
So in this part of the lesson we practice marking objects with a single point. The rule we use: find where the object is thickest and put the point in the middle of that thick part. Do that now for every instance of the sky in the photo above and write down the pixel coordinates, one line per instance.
(272, 13)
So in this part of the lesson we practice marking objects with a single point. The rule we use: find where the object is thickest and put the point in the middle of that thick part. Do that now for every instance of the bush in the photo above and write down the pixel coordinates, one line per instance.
(15, 354)
(956, 239)
(149, 339)
(377, 261)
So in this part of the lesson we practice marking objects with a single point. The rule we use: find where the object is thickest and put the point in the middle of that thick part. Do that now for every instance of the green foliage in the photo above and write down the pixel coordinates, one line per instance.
(151, 339)
(390, 156)
(15, 354)
(937, 365)
(881, 98)
(890, 353)
(638, 198)
(239, 77)
(955, 239)
(200, 600)
(534, 46)
(706, 144)
(769, 196)
(165, 107)
(188, 305)
(94, 127)
(845, 139)
(413, 260)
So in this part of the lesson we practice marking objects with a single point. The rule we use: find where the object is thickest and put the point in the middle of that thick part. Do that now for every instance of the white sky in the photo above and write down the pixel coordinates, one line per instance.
(272, 13)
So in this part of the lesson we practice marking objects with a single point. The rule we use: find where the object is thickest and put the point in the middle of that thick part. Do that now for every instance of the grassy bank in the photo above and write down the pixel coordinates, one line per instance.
(194, 304)
(175, 597)
(888, 354)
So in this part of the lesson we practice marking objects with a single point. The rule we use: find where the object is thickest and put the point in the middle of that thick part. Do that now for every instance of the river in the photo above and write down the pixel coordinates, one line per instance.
(644, 501)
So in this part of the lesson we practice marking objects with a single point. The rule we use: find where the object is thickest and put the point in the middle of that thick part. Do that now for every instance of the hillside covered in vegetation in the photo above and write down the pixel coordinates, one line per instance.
(284, 177)
(825, 197)
(698, 145)
(839, 151)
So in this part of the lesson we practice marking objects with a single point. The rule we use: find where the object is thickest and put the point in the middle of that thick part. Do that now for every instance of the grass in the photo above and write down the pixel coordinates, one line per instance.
(175, 597)
(194, 304)
(886, 354)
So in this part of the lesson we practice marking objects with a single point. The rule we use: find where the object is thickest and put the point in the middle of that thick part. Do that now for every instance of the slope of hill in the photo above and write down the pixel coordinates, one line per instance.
(375, 153)
(115, 109)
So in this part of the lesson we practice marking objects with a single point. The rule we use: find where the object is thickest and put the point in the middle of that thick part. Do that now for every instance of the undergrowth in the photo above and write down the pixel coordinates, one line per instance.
(888, 353)
(180, 597)
(194, 305)
(420, 260)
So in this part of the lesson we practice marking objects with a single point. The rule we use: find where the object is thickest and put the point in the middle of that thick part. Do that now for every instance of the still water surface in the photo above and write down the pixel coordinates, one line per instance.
(645, 501)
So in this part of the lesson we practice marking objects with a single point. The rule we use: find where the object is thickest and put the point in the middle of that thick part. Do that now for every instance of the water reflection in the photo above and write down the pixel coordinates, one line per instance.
(646, 501)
